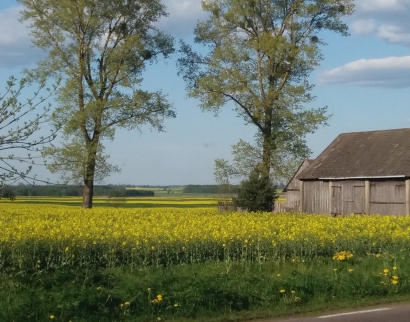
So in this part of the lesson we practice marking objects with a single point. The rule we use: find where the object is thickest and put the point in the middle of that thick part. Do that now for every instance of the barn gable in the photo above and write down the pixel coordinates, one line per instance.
(294, 182)
(292, 191)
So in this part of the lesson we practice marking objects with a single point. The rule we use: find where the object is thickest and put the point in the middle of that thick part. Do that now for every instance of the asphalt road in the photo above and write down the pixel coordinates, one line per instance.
(387, 313)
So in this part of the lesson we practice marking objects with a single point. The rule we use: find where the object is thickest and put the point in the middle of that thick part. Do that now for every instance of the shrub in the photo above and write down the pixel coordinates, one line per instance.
(257, 193)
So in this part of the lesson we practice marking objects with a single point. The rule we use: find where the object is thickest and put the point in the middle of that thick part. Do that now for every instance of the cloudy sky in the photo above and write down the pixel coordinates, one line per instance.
(364, 80)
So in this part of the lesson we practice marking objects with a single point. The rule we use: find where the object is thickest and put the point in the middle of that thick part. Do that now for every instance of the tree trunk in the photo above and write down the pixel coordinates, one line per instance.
(267, 152)
(88, 192)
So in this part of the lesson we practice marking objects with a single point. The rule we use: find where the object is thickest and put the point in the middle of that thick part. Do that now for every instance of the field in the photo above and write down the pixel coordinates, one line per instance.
(170, 201)
(138, 263)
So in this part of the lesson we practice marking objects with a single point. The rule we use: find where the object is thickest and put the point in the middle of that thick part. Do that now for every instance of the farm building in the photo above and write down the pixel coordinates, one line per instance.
(292, 191)
(362, 173)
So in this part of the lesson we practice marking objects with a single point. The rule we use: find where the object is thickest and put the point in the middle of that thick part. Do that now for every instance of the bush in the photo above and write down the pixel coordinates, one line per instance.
(8, 194)
(257, 193)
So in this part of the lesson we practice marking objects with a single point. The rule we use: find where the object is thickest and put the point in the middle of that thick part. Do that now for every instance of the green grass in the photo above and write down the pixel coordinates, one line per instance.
(214, 291)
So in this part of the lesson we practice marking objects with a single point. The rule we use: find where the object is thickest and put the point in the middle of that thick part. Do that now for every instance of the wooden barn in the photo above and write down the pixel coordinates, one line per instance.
(292, 191)
(360, 173)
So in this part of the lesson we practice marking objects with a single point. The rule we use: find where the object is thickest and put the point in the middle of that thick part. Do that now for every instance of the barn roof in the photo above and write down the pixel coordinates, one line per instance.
(374, 154)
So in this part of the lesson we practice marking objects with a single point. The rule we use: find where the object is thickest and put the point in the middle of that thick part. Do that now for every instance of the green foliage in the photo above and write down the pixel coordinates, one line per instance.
(260, 55)
(101, 49)
(209, 291)
(257, 193)
(19, 122)
(8, 194)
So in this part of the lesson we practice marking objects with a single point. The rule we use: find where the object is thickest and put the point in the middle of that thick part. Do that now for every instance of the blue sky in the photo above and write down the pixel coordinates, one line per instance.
(364, 80)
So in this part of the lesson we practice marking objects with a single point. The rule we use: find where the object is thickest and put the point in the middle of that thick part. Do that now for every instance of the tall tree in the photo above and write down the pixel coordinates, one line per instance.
(285, 158)
(100, 48)
(260, 54)
(21, 136)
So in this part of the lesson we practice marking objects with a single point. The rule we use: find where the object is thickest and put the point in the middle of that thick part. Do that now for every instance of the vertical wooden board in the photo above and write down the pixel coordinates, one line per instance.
(359, 204)
(407, 197)
(347, 197)
(336, 199)
(367, 197)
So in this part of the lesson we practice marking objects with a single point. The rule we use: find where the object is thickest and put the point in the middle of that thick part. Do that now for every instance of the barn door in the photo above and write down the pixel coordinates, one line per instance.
(336, 200)
(358, 207)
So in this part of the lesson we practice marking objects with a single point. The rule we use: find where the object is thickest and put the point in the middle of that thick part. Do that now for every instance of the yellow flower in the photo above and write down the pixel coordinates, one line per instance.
(52, 316)
(176, 305)
(350, 270)
(159, 297)
(395, 277)
(99, 288)
(394, 282)
(154, 301)
(127, 303)
(335, 269)
(282, 291)
(278, 275)
(293, 292)
(159, 319)
(386, 270)
(394, 268)
(149, 289)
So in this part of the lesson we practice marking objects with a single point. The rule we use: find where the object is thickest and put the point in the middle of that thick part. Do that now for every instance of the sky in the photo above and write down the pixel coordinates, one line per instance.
(364, 81)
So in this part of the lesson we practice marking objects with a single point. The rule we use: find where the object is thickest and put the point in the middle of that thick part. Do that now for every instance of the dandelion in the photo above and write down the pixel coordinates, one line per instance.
(282, 291)
(394, 282)
(159, 297)
(293, 292)
(335, 269)
(127, 303)
(386, 270)
(394, 268)
(176, 305)
(278, 275)
(350, 270)
(52, 316)
(159, 318)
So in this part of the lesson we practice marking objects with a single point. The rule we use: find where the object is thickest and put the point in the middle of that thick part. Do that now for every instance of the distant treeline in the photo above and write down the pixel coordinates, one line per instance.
(211, 189)
(74, 191)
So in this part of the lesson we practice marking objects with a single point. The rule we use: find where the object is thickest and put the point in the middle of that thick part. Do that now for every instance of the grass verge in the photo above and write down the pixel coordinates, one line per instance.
(214, 291)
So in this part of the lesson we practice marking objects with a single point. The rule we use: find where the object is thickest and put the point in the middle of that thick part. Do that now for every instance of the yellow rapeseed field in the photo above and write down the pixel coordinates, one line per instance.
(43, 237)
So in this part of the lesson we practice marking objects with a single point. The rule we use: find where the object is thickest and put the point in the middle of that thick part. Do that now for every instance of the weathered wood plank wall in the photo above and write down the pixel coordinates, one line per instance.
(385, 197)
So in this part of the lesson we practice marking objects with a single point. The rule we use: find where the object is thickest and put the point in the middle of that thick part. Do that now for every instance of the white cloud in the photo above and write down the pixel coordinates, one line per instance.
(391, 72)
(385, 19)
(376, 5)
(183, 16)
(363, 27)
(394, 34)
(15, 44)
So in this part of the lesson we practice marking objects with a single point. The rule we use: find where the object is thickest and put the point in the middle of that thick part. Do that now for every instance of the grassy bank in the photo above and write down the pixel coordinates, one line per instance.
(220, 291)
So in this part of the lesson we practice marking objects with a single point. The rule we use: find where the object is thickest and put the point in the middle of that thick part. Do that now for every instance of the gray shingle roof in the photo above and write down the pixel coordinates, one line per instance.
(363, 154)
